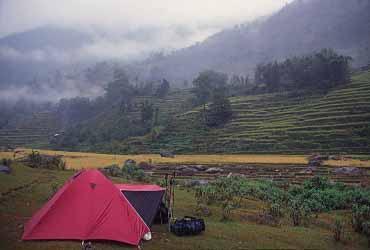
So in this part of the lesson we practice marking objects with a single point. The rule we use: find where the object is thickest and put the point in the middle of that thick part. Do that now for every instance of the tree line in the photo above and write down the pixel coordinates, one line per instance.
(317, 71)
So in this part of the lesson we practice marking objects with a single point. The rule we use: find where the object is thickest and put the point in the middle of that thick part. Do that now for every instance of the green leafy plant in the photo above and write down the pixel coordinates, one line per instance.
(131, 171)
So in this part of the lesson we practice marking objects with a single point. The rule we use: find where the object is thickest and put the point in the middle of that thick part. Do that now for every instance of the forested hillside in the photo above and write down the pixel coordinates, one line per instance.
(337, 122)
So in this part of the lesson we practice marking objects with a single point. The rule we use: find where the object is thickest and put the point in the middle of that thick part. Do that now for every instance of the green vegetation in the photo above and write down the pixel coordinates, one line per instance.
(211, 86)
(336, 122)
(129, 171)
(320, 70)
(37, 160)
(26, 189)
(299, 203)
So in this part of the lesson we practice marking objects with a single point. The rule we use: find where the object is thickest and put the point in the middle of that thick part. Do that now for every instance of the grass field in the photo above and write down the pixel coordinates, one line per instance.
(78, 160)
(26, 190)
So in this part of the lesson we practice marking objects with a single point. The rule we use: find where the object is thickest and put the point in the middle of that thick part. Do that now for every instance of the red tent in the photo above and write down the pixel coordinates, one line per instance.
(88, 207)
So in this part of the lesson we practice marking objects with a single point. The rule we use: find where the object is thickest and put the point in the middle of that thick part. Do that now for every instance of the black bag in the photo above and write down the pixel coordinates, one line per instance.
(188, 226)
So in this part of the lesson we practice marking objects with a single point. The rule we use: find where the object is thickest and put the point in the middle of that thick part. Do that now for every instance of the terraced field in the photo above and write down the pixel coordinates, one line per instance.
(283, 174)
(172, 104)
(337, 122)
(36, 128)
(284, 169)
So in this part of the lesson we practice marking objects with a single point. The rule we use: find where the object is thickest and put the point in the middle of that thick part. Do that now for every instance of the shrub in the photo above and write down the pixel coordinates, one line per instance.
(6, 162)
(299, 212)
(131, 170)
(34, 159)
(338, 229)
(361, 220)
(360, 216)
(224, 191)
(37, 160)
(366, 230)
(202, 210)
(111, 170)
(275, 210)
(301, 202)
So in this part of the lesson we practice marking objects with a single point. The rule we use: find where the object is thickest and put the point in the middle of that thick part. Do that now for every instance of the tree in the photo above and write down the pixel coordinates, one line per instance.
(147, 111)
(219, 111)
(269, 74)
(317, 71)
(120, 91)
(207, 84)
(238, 85)
(163, 89)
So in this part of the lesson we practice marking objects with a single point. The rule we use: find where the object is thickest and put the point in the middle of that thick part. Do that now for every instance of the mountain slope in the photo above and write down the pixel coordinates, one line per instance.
(34, 56)
(44, 37)
(299, 28)
(338, 122)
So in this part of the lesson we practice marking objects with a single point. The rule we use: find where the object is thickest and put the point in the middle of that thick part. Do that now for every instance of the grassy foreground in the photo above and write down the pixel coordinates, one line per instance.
(79, 160)
(26, 190)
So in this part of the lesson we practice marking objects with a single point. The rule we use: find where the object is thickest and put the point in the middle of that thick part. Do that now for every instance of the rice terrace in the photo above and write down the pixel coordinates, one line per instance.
(224, 125)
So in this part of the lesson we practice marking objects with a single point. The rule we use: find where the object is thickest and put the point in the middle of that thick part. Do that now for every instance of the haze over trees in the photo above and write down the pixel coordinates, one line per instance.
(299, 28)
(318, 71)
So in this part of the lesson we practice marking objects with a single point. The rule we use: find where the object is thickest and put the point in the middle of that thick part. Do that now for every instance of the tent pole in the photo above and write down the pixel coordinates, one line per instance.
(169, 204)
(173, 193)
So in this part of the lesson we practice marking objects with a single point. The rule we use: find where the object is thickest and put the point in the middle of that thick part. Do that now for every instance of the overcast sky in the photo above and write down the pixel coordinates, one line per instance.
(125, 29)
(132, 28)
(20, 15)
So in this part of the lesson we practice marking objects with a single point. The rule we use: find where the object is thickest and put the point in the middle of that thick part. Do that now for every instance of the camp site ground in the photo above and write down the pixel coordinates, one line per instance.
(26, 190)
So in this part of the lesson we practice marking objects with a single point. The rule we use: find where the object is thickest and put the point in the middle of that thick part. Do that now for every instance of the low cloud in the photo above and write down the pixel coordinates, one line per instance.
(110, 46)
(121, 30)
(46, 93)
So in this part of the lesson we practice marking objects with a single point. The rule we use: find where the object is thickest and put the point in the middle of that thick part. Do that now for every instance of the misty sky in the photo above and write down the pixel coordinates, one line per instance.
(124, 29)
(200, 16)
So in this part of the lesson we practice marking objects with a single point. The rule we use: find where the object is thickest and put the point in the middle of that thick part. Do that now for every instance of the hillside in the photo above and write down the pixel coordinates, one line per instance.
(105, 129)
(337, 122)
(297, 29)
(35, 128)
(35, 54)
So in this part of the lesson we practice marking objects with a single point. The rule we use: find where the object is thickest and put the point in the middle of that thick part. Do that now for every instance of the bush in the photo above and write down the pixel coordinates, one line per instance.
(37, 160)
(275, 210)
(301, 202)
(366, 230)
(360, 216)
(299, 212)
(112, 170)
(6, 162)
(131, 170)
(338, 229)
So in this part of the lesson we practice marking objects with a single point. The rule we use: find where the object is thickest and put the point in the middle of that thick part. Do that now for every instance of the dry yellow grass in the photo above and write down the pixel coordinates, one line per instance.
(78, 160)
(349, 162)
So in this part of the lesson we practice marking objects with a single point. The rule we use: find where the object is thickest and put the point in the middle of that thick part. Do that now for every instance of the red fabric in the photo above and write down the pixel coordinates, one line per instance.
(87, 207)
(136, 187)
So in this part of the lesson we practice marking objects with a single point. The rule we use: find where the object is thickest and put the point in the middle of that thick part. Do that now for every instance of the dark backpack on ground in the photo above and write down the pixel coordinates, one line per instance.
(188, 226)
